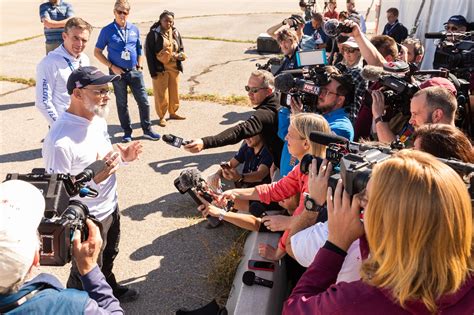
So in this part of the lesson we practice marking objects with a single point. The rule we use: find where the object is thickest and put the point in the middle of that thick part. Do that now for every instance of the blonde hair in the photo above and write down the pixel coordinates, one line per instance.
(122, 4)
(305, 123)
(419, 227)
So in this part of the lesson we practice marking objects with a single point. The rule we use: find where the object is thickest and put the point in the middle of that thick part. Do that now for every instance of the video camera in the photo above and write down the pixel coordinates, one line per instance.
(356, 161)
(398, 89)
(62, 216)
(303, 84)
(190, 181)
(455, 52)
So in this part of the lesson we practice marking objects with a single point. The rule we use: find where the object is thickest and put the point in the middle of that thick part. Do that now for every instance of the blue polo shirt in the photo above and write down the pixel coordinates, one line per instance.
(340, 123)
(59, 12)
(118, 40)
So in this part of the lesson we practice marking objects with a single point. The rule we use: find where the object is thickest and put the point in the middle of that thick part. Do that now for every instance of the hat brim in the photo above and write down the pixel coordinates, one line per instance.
(105, 79)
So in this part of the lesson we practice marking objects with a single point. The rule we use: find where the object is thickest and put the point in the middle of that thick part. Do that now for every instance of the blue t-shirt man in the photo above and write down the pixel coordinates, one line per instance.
(340, 123)
(124, 57)
(123, 44)
(54, 11)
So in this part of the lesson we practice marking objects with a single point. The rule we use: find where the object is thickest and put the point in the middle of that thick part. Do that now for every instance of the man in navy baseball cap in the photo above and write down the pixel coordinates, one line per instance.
(84, 76)
(456, 23)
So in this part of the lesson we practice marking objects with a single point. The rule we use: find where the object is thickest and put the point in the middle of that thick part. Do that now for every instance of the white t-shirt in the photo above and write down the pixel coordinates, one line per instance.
(306, 243)
(52, 98)
(72, 144)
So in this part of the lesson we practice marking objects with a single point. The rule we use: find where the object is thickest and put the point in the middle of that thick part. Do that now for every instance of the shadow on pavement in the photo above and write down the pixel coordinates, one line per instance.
(21, 156)
(199, 161)
(233, 117)
(15, 106)
(188, 248)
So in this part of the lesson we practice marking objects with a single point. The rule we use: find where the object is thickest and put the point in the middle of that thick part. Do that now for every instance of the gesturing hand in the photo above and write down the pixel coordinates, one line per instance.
(131, 152)
(344, 223)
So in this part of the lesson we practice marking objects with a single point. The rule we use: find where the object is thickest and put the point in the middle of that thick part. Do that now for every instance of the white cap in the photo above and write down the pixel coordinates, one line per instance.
(351, 43)
(21, 209)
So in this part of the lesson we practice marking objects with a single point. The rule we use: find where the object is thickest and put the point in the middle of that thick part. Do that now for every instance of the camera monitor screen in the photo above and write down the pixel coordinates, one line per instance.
(311, 57)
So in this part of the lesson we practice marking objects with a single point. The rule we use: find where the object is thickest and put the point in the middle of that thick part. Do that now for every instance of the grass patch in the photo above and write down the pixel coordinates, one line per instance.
(224, 266)
(248, 41)
(29, 82)
(213, 98)
(19, 40)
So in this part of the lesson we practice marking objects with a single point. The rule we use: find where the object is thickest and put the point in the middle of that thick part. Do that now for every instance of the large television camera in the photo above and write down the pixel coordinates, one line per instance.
(395, 78)
(455, 52)
(355, 161)
(62, 216)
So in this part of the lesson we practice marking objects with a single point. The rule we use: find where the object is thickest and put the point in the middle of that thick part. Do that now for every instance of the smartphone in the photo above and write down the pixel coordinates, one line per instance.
(225, 165)
(261, 265)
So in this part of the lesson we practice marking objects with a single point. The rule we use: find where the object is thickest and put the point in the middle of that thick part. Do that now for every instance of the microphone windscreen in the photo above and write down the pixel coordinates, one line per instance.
(284, 82)
(168, 138)
(189, 178)
(330, 27)
(326, 138)
(435, 35)
(248, 277)
(256, 209)
(372, 73)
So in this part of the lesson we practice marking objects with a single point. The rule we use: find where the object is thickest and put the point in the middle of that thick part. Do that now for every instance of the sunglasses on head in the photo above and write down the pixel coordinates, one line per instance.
(253, 90)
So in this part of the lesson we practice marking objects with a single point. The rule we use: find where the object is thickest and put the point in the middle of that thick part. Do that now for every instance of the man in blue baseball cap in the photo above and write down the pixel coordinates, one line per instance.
(456, 24)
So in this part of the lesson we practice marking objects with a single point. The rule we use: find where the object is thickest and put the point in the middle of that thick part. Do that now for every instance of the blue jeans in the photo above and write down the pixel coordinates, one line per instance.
(133, 79)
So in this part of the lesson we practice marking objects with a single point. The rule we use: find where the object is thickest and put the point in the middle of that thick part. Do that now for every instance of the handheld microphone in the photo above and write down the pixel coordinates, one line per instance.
(372, 73)
(174, 140)
(249, 278)
(327, 139)
(89, 172)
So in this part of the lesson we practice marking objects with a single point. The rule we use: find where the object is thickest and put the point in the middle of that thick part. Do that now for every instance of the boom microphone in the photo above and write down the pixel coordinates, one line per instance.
(89, 172)
(326, 139)
(249, 278)
(372, 73)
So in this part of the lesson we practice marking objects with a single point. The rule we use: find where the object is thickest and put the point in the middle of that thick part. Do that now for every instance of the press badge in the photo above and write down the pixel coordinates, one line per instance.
(125, 55)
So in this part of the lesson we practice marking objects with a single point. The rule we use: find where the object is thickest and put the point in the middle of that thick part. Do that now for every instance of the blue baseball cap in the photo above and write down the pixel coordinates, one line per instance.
(84, 76)
(458, 20)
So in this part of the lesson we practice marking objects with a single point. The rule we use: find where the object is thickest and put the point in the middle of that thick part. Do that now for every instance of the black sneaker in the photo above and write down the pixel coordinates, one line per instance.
(125, 294)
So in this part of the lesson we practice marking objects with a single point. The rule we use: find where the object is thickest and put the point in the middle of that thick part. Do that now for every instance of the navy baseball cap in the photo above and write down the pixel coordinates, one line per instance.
(84, 76)
(458, 20)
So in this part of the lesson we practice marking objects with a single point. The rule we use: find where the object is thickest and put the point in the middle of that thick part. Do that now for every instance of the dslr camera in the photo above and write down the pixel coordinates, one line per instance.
(62, 216)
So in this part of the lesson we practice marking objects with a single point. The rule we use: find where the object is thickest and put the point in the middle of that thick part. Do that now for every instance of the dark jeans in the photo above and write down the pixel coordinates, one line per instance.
(133, 79)
(110, 248)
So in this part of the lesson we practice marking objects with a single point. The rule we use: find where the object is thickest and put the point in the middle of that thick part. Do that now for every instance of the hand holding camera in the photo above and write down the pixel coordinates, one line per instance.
(344, 223)
(378, 103)
(318, 181)
(87, 252)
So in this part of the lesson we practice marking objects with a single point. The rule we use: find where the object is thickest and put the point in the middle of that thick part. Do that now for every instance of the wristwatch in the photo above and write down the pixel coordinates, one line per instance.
(378, 119)
(311, 205)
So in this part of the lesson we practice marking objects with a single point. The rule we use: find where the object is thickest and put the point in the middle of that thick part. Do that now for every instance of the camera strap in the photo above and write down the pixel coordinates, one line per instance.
(9, 307)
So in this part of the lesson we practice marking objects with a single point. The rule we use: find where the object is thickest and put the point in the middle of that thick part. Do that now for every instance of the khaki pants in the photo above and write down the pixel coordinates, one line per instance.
(165, 90)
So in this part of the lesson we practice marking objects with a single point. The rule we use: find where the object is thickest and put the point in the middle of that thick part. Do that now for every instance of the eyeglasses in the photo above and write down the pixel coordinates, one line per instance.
(120, 12)
(349, 50)
(102, 93)
(253, 90)
(324, 92)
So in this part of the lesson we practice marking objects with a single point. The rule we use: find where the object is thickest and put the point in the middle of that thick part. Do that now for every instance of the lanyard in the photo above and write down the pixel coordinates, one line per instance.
(391, 29)
(70, 65)
(124, 38)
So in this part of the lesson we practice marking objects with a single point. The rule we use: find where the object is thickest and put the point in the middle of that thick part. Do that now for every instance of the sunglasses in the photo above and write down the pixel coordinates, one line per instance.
(451, 28)
(120, 12)
(253, 90)
(349, 50)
